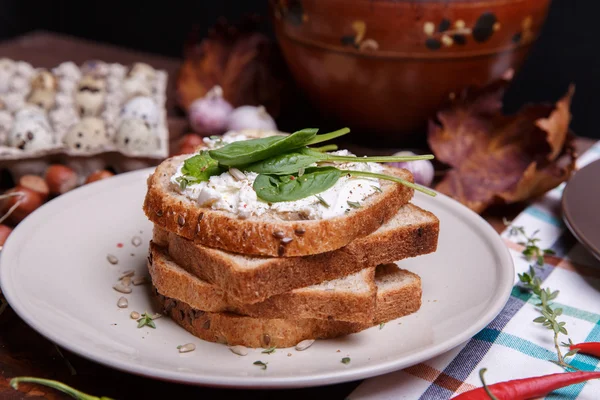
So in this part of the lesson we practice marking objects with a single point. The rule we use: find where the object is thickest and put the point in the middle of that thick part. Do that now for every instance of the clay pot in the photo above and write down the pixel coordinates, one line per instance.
(386, 66)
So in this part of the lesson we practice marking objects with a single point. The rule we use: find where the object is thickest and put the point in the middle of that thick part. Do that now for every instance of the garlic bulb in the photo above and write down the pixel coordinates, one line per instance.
(251, 117)
(210, 114)
(422, 170)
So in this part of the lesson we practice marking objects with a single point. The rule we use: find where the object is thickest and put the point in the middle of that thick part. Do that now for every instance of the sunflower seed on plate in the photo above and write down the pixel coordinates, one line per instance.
(122, 288)
(126, 281)
(305, 344)
(136, 241)
(186, 348)
(156, 316)
(239, 350)
(128, 273)
(140, 280)
(134, 315)
(122, 302)
(112, 259)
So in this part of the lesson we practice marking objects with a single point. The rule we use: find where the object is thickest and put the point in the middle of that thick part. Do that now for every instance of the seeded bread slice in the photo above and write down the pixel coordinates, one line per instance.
(410, 233)
(271, 234)
(399, 294)
(351, 298)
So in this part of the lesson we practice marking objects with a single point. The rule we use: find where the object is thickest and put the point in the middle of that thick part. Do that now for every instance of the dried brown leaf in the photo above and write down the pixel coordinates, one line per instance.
(245, 63)
(496, 158)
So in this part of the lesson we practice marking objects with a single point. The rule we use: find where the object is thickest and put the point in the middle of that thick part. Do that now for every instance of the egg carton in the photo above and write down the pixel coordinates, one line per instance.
(89, 116)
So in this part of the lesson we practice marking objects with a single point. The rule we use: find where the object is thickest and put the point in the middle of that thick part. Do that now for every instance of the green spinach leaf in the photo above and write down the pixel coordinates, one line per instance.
(277, 188)
(250, 151)
(199, 168)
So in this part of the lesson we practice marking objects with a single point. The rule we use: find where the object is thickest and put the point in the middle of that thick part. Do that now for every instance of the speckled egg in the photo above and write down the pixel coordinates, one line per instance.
(32, 112)
(30, 135)
(90, 95)
(133, 87)
(141, 107)
(89, 134)
(6, 121)
(134, 135)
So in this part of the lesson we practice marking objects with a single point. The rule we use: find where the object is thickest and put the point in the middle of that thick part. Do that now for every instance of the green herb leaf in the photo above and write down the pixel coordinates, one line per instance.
(276, 189)
(251, 151)
(381, 325)
(270, 350)
(346, 360)
(146, 320)
(261, 364)
(199, 168)
(353, 204)
(322, 201)
(76, 394)
(540, 320)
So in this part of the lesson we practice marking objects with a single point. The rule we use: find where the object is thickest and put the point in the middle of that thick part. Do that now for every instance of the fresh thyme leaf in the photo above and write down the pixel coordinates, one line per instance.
(353, 204)
(377, 188)
(178, 347)
(322, 201)
(531, 251)
(270, 350)
(346, 360)
(146, 320)
(261, 364)
(381, 325)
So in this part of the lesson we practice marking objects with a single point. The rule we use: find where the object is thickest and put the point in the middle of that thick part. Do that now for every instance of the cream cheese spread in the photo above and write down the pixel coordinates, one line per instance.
(225, 192)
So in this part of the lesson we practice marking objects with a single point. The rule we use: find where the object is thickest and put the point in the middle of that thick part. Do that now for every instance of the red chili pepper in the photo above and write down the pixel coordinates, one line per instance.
(529, 388)
(591, 348)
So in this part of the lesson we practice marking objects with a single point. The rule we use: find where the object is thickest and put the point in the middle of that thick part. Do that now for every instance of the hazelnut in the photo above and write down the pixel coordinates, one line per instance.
(98, 175)
(4, 232)
(60, 179)
(35, 183)
(28, 202)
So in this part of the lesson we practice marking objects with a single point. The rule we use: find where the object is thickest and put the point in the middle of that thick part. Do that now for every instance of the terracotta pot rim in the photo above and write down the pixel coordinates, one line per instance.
(403, 55)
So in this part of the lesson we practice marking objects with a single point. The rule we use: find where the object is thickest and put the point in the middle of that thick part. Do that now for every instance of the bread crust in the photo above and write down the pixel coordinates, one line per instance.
(267, 235)
(171, 280)
(281, 274)
(234, 329)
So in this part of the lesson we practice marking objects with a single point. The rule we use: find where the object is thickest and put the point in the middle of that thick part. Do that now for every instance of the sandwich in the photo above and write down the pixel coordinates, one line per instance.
(262, 239)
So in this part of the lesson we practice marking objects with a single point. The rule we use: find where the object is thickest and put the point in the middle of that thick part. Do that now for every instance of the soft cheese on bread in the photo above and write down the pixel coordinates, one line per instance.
(224, 211)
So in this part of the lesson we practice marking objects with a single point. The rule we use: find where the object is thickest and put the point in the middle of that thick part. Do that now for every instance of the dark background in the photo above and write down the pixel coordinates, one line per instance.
(567, 51)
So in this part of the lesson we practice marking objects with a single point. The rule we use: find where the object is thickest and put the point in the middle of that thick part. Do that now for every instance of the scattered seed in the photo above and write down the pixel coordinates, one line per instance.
(128, 273)
(122, 288)
(300, 231)
(156, 316)
(140, 280)
(266, 339)
(286, 240)
(197, 228)
(136, 241)
(126, 281)
(281, 251)
(186, 348)
(122, 302)
(278, 235)
(134, 315)
(181, 220)
(112, 259)
(305, 344)
(239, 350)
(159, 213)
(289, 354)
(206, 324)
(237, 174)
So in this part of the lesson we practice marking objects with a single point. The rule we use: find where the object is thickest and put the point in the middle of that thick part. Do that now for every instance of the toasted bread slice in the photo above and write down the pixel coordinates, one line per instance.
(271, 234)
(410, 233)
(398, 294)
(351, 298)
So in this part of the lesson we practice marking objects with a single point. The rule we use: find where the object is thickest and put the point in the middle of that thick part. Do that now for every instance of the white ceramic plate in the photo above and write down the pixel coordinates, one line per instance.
(55, 274)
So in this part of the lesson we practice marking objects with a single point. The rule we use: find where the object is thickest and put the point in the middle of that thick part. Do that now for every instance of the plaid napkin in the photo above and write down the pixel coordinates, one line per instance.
(512, 346)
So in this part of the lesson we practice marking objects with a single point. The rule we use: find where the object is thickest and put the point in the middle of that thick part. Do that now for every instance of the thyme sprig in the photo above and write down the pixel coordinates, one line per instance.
(530, 281)
(146, 320)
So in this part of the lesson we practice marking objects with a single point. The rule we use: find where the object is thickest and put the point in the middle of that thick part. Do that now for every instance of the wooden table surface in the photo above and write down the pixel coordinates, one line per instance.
(23, 352)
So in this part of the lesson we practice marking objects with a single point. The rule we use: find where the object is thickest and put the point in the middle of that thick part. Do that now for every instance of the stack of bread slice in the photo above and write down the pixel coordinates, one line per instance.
(278, 279)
